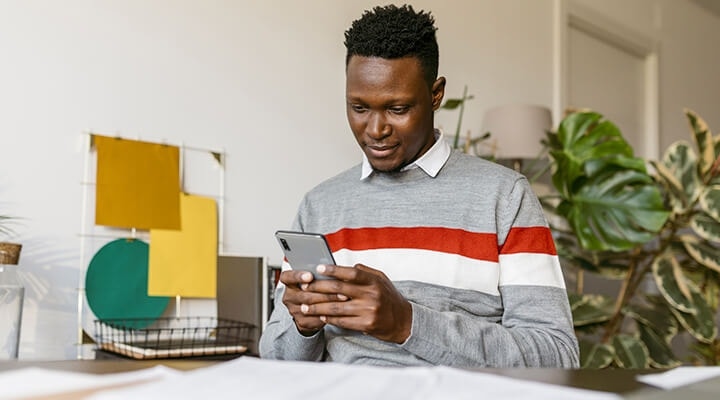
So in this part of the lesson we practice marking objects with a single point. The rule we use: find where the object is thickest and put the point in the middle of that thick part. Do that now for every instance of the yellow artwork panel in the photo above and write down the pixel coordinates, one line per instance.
(184, 262)
(137, 184)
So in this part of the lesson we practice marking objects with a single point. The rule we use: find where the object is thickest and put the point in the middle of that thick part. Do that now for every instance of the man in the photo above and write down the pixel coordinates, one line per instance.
(443, 258)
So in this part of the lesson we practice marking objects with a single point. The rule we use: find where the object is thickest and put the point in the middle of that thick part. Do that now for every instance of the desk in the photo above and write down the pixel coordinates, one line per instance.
(618, 381)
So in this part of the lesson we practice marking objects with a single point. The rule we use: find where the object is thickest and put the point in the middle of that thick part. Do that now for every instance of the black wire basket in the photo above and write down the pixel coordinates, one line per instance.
(144, 338)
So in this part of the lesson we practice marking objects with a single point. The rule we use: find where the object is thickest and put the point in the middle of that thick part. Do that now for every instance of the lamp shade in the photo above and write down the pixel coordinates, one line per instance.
(517, 129)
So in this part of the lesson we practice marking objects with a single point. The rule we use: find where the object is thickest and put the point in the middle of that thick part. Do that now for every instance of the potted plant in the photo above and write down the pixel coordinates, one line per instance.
(468, 142)
(654, 226)
(9, 251)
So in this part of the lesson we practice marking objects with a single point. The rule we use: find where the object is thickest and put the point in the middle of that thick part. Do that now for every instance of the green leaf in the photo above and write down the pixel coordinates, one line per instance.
(700, 322)
(675, 291)
(702, 252)
(595, 355)
(568, 162)
(451, 104)
(581, 147)
(606, 264)
(658, 317)
(705, 226)
(573, 127)
(591, 309)
(615, 210)
(710, 201)
(711, 291)
(703, 140)
(659, 350)
(596, 165)
(606, 194)
(630, 352)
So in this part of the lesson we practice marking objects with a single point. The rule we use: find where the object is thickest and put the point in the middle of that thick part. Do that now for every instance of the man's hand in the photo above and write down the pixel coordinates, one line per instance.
(360, 298)
(295, 297)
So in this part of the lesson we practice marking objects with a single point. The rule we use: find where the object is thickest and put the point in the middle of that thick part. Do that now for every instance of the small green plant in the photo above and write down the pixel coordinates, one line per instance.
(459, 103)
(452, 104)
(652, 225)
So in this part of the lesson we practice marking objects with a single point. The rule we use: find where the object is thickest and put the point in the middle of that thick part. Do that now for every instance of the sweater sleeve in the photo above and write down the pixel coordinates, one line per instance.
(535, 329)
(282, 341)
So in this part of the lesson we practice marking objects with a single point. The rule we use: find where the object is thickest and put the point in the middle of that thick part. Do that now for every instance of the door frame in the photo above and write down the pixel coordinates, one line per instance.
(568, 14)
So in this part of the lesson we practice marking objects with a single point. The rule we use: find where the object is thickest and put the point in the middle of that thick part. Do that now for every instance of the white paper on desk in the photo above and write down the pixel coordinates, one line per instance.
(679, 376)
(33, 381)
(251, 378)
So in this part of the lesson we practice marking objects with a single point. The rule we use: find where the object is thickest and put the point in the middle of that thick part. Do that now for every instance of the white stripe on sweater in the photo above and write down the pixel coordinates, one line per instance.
(458, 272)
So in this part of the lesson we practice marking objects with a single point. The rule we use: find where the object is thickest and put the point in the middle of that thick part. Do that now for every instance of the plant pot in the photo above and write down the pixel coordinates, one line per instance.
(9, 253)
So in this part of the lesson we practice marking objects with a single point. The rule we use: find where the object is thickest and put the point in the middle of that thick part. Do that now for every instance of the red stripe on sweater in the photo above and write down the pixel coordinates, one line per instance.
(480, 246)
(537, 239)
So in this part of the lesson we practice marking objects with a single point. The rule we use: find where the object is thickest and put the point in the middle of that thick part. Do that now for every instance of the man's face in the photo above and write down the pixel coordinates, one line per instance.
(390, 109)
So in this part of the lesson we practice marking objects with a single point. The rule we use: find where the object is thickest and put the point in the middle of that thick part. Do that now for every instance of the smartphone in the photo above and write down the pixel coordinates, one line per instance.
(304, 251)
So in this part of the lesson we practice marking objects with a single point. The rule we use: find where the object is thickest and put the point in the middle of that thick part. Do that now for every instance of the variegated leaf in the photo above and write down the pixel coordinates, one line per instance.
(701, 322)
(658, 318)
(675, 291)
(630, 352)
(712, 294)
(661, 355)
(715, 170)
(703, 139)
(576, 300)
(604, 266)
(705, 226)
(681, 160)
(595, 355)
(702, 252)
(710, 201)
(715, 179)
(591, 310)
(678, 198)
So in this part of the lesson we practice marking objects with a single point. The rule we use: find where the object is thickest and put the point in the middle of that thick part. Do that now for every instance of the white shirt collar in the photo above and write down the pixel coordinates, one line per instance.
(431, 162)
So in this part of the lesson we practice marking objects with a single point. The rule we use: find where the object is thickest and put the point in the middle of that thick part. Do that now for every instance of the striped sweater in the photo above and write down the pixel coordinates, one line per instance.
(470, 249)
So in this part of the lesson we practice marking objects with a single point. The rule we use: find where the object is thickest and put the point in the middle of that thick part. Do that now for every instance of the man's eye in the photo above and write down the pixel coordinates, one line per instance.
(358, 108)
(398, 110)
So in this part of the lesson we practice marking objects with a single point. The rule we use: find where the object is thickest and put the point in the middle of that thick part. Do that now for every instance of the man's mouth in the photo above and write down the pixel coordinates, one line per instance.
(380, 151)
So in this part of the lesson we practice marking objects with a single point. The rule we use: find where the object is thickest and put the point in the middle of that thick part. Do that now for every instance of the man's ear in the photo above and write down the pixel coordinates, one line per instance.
(438, 92)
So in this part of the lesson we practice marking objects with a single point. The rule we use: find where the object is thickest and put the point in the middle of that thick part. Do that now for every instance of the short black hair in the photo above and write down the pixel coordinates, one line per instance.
(395, 32)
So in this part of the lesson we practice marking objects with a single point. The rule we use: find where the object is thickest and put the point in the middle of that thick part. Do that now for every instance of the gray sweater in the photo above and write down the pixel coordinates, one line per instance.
(470, 249)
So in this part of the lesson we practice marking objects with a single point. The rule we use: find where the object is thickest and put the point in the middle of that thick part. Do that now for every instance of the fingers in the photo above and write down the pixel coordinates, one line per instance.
(359, 298)
(295, 278)
(358, 274)
(298, 303)
(306, 325)
(334, 308)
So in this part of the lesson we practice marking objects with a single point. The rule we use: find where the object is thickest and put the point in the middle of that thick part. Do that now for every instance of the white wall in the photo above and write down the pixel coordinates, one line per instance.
(261, 80)
(687, 37)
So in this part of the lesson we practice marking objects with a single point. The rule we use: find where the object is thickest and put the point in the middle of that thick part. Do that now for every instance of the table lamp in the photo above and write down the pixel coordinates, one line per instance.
(517, 129)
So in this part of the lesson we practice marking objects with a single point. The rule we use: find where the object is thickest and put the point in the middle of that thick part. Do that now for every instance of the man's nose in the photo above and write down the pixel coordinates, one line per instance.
(377, 126)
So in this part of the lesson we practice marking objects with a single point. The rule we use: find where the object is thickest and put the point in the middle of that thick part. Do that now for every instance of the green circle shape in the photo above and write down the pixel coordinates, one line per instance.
(116, 283)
